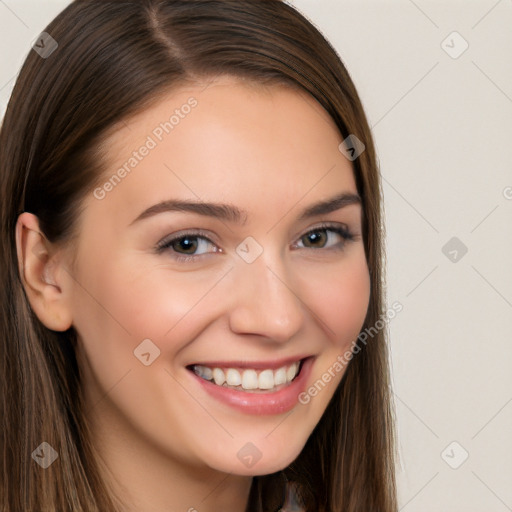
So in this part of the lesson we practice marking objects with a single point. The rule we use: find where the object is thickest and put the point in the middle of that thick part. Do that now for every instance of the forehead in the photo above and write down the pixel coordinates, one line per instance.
(226, 140)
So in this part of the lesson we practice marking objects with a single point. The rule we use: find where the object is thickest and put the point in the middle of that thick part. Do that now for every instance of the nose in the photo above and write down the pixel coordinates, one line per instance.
(265, 302)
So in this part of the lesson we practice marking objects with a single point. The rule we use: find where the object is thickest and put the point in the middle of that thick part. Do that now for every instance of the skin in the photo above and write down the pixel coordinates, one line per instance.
(165, 444)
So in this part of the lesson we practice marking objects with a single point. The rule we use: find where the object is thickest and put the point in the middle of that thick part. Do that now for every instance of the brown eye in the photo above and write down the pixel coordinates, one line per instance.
(315, 239)
(185, 245)
(328, 237)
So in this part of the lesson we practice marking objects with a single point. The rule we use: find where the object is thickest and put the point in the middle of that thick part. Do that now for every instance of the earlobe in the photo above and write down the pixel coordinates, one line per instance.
(44, 278)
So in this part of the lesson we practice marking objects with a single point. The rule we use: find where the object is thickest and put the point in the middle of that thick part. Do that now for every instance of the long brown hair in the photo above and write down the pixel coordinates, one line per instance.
(113, 59)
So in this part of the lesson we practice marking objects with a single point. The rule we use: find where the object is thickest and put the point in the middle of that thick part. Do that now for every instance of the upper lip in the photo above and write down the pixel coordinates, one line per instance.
(257, 365)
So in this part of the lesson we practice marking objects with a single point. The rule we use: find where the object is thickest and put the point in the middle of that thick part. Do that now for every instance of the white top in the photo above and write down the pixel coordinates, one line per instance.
(291, 503)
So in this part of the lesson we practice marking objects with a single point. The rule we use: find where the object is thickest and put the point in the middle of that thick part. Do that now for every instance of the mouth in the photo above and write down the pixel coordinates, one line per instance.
(257, 388)
(256, 379)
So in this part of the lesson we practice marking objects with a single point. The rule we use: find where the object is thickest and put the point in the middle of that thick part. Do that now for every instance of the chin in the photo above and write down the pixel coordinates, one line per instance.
(252, 460)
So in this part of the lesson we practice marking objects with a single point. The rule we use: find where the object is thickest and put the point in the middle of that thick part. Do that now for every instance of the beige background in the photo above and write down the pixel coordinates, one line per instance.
(442, 124)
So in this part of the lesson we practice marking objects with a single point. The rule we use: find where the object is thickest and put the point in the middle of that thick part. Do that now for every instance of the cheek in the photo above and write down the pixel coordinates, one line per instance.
(339, 297)
(141, 301)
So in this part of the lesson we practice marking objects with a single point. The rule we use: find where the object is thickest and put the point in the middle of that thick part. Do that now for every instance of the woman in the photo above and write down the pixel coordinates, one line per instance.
(191, 247)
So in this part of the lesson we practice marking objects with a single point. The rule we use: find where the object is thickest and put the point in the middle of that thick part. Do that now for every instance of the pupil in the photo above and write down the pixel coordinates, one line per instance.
(187, 245)
(317, 238)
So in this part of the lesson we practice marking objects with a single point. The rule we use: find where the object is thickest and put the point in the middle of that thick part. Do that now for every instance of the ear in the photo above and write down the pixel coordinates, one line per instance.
(46, 281)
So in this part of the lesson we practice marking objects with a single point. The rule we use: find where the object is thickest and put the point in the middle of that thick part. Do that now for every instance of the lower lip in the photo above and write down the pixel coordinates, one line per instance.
(260, 403)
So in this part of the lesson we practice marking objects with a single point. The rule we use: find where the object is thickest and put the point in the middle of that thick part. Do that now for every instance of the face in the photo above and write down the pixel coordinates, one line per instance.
(229, 251)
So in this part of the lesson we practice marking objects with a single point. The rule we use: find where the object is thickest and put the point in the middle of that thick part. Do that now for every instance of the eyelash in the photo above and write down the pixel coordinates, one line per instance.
(166, 243)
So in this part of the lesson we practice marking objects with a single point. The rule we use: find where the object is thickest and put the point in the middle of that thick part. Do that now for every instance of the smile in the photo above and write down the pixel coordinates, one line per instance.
(250, 379)
(262, 388)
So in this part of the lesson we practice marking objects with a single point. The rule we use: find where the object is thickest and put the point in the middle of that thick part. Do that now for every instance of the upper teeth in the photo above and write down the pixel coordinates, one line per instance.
(248, 379)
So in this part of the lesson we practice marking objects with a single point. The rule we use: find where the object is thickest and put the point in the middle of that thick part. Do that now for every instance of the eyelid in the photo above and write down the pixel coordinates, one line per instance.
(327, 225)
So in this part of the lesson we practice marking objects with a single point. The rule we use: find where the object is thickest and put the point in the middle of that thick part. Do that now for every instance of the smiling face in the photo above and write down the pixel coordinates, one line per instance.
(231, 246)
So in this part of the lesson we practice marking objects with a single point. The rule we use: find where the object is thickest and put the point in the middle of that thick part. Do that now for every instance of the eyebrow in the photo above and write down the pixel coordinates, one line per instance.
(234, 214)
